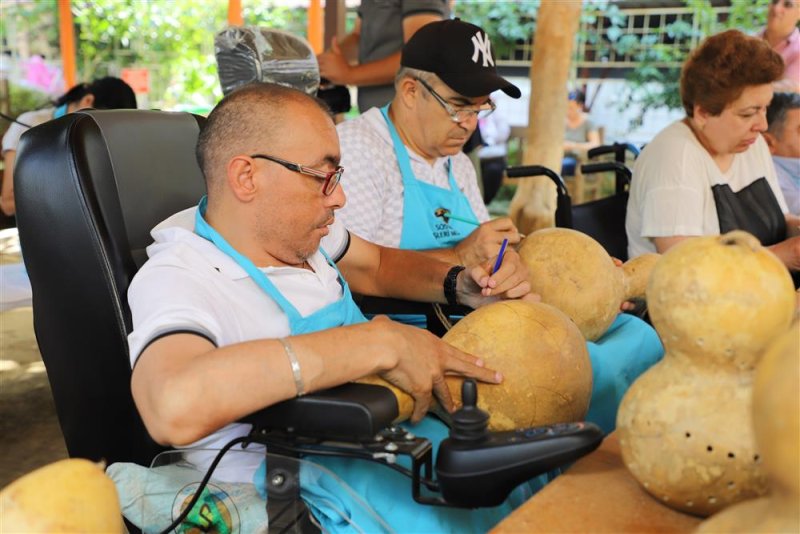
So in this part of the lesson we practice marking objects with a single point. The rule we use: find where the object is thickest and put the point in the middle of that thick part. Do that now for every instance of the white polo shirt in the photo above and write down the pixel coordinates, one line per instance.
(189, 285)
(374, 186)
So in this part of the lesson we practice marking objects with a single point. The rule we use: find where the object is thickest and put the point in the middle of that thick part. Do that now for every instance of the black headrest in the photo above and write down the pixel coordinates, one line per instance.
(89, 187)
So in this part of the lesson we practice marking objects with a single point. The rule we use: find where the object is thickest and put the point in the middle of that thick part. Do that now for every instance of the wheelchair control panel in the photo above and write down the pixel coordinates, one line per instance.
(474, 467)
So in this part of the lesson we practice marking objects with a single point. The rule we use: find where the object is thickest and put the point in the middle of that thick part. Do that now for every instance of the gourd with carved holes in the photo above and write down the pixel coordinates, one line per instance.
(685, 426)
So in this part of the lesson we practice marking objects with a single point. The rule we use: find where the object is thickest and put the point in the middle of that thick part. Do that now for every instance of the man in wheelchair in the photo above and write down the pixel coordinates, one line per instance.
(245, 300)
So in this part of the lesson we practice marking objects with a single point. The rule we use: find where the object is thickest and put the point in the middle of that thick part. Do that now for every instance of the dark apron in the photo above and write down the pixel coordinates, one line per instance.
(755, 210)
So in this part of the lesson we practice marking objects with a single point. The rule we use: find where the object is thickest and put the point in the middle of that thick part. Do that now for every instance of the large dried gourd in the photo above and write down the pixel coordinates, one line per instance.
(776, 418)
(574, 273)
(541, 354)
(684, 426)
(72, 495)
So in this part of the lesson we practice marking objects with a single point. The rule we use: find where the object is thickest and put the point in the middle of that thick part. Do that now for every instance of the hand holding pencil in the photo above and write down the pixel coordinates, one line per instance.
(484, 242)
(504, 276)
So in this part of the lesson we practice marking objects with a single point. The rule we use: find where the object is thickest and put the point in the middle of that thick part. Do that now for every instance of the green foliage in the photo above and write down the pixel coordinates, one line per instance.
(654, 81)
(509, 23)
(654, 86)
(24, 99)
(174, 39)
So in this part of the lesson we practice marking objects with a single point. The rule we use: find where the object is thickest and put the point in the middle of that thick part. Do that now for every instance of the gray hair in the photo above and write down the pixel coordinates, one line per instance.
(776, 112)
(408, 72)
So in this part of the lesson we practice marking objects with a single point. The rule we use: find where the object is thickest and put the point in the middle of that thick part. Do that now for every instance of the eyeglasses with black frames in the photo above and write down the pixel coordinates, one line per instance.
(329, 179)
(460, 114)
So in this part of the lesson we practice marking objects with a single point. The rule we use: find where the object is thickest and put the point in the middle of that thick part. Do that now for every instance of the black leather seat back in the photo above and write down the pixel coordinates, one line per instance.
(604, 220)
(89, 187)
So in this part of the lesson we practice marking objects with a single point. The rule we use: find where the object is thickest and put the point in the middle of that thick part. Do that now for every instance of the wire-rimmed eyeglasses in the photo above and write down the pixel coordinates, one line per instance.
(460, 114)
(329, 179)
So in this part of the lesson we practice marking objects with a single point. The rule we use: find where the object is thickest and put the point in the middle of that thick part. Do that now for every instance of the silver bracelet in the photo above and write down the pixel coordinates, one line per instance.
(298, 377)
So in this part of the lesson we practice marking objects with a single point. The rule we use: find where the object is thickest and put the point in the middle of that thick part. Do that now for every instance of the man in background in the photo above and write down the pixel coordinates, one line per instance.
(376, 40)
(783, 139)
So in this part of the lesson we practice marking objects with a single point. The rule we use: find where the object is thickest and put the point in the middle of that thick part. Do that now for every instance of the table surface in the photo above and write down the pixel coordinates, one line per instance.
(596, 494)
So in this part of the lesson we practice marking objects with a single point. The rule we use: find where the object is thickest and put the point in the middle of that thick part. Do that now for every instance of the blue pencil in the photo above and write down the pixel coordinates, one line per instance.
(499, 261)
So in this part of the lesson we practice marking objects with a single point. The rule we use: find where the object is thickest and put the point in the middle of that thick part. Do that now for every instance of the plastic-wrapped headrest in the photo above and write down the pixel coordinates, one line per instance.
(248, 54)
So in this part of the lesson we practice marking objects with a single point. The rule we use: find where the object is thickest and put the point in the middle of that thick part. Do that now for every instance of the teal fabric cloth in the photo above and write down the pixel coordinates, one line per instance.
(628, 348)
(388, 493)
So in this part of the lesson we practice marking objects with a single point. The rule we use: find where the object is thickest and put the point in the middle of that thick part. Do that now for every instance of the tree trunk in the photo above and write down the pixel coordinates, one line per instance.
(534, 203)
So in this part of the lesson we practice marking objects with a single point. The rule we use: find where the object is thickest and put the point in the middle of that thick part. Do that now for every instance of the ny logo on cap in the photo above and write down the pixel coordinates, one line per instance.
(482, 46)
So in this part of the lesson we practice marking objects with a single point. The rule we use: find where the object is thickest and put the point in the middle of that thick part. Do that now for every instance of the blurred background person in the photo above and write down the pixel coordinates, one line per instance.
(375, 42)
(783, 139)
(493, 155)
(580, 133)
(783, 36)
(103, 93)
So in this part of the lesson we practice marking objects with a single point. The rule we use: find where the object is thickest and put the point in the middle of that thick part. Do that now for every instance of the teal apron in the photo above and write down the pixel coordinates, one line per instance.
(387, 492)
(422, 228)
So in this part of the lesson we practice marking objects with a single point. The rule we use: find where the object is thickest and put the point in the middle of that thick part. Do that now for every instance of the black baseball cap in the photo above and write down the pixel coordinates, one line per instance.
(460, 54)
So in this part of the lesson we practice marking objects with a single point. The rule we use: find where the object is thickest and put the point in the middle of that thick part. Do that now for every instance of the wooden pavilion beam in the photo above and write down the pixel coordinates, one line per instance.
(66, 38)
(235, 13)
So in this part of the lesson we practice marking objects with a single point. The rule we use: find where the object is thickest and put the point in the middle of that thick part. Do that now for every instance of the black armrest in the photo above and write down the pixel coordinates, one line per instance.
(355, 412)
(622, 173)
(382, 305)
(618, 149)
(563, 201)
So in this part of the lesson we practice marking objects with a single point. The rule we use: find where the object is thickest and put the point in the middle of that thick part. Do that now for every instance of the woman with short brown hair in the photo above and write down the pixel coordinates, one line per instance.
(711, 172)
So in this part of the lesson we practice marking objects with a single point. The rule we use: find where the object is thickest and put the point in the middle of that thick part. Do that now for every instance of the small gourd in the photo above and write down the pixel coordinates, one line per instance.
(73, 495)
(574, 273)
(776, 418)
(541, 354)
(684, 426)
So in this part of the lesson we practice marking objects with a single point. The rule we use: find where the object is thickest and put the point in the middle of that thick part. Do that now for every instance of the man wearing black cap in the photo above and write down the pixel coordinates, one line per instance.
(410, 185)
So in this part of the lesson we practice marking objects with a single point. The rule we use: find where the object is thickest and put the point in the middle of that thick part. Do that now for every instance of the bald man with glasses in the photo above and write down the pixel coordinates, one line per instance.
(245, 301)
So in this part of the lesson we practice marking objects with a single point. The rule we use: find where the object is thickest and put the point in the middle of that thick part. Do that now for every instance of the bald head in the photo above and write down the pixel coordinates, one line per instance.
(248, 120)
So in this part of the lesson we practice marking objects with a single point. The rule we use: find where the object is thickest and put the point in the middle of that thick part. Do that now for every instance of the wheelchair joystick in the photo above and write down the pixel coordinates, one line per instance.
(476, 467)
(469, 423)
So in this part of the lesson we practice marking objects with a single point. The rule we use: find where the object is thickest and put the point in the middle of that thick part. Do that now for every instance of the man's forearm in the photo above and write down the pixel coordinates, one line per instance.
(349, 46)
(447, 255)
(394, 273)
(378, 72)
(378, 271)
(183, 375)
(412, 275)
